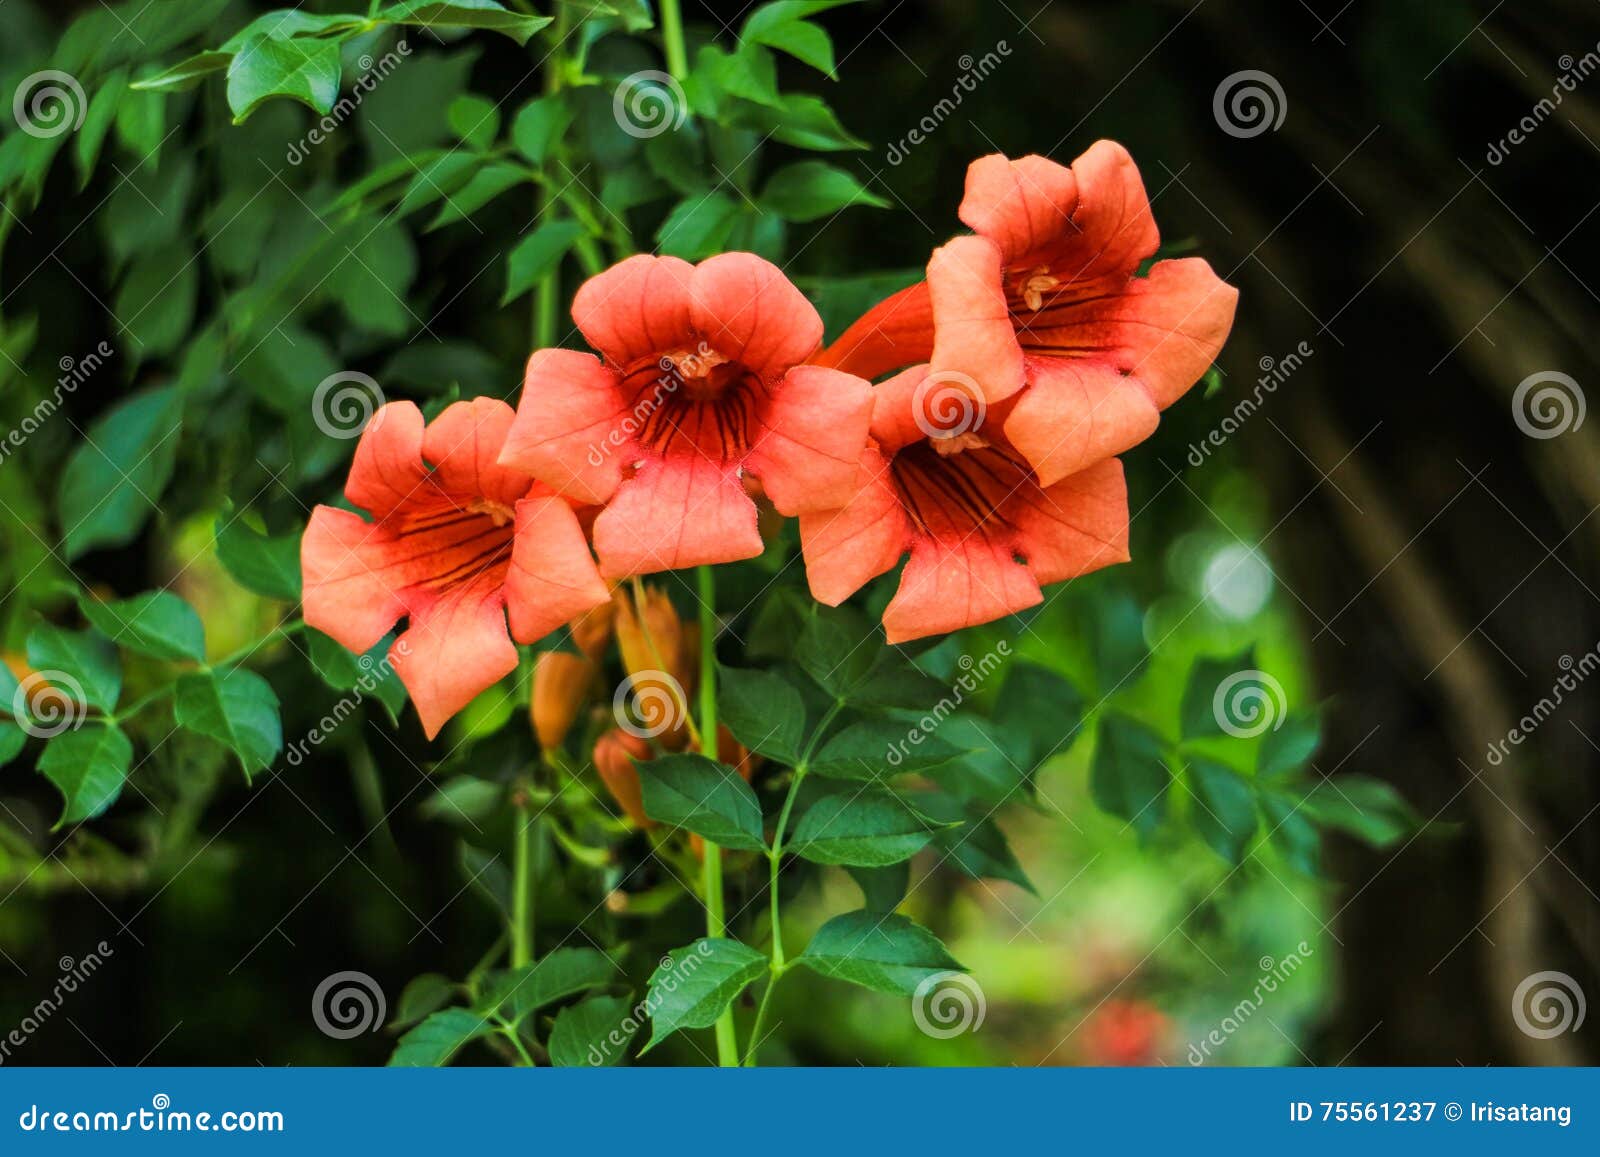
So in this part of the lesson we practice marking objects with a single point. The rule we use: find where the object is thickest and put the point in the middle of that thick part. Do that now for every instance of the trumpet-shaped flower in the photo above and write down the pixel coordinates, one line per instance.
(456, 543)
(983, 534)
(701, 384)
(1041, 316)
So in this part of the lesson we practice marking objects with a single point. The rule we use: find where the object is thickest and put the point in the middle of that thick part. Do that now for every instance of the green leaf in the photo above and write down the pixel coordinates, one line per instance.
(438, 1038)
(782, 25)
(1041, 709)
(517, 992)
(837, 647)
(692, 986)
(89, 765)
(807, 122)
(539, 127)
(422, 995)
(763, 711)
(705, 797)
(157, 623)
(264, 564)
(141, 124)
(883, 952)
(437, 178)
(1366, 808)
(82, 664)
(1288, 748)
(156, 301)
(811, 189)
(977, 847)
(463, 799)
(114, 479)
(1225, 808)
(12, 738)
(1199, 715)
(485, 14)
(1128, 775)
(883, 888)
(237, 708)
(285, 23)
(1291, 831)
(186, 73)
(593, 1033)
(875, 749)
(749, 72)
(1117, 640)
(484, 186)
(97, 122)
(537, 254)
(986, 773)
(865, 828)
(474, 119)
(698, 225)
(266, 66)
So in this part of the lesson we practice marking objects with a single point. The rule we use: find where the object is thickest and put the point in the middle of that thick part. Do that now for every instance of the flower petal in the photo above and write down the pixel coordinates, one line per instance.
(1076, 526)
(846, 548)
(893, 334)
(346, 595)
(955, 582)
(552, 579)
(748, 311)
(388, 470)
(813, 430)
(463, 445)
(973, 334)
(636, 309)
(1023, 206)
(677, 511)
(455, 649)
(1077, 412)
(572, 428)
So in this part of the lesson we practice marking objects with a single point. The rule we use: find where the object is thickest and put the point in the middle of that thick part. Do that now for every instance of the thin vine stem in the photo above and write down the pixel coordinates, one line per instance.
(711, 876)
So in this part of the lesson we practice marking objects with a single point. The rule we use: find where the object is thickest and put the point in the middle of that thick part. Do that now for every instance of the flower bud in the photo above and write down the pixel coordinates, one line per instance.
(648, 655)
(561, 683)
(591, 631)
(614, 754)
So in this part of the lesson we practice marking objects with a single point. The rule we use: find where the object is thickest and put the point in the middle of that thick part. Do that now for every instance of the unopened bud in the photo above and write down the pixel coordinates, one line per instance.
(561, 683)
(614, 754)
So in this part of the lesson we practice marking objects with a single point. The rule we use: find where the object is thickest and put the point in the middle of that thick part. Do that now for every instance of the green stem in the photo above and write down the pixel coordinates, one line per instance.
(547, 301)
(774, 860)
(672, 39)
(716, 919)
(522, 891)
(283, 630)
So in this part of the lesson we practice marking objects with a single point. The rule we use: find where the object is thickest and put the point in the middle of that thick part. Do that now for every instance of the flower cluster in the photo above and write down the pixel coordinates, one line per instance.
(1033, 353)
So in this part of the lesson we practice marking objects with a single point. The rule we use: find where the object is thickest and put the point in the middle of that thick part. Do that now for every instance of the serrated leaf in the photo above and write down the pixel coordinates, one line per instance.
(977, 847)
(265, 66)
(593, 1033)
(1366, 808)
(1128, 775)
(89, 766)
(874, 750)
(986, 773)
(811, 189)
(1292, 833)
(515, 993)
(537, 254)
(438, 1038)
(704, 797)
(484, 14)
(692, 986)
(113, 480)
(866, 828)
(763, 711)
(883, 952)
(422, 995)
(79, 663)
(698, 226)
(237, 708)
(474, 119)
(483, 186)
(1288, 748)
(1225, 808)
(157, 623)
(806, 122)
(539, 126)
(1198, 716)
(262, 563)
